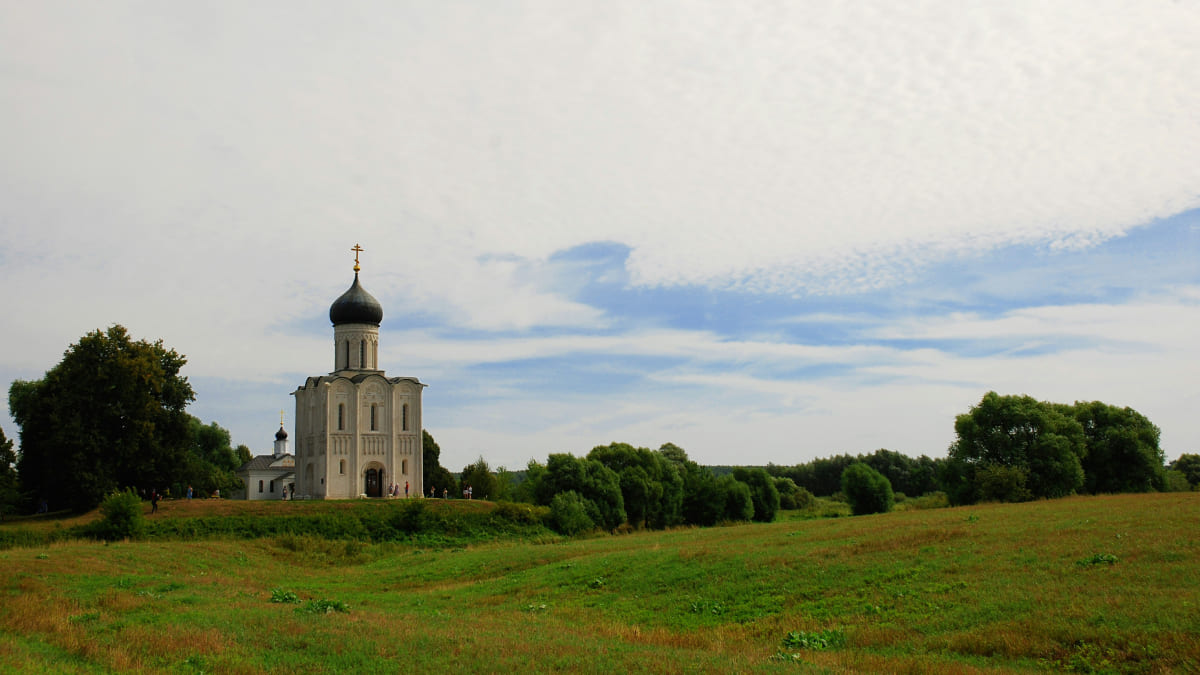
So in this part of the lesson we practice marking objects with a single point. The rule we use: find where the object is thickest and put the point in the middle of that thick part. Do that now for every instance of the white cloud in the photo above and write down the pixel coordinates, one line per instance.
(198, 172)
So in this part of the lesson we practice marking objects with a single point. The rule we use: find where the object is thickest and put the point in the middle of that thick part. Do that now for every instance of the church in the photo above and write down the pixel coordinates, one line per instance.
(357, 431)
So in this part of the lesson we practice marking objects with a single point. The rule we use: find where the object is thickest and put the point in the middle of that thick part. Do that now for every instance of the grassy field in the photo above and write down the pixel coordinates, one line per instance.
(1096, 584)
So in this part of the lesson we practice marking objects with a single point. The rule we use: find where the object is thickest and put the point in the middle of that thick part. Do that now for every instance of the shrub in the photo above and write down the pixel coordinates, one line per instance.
(121, 517)
(569, 513)
(867, 490)
(933, 500)
(815, 640)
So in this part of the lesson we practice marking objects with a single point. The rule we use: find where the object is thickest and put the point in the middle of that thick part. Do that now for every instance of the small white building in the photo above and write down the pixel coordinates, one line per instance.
(271, 476)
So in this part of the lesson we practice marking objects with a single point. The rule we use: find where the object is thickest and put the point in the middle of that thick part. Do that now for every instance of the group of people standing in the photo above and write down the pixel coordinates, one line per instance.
(394, 490)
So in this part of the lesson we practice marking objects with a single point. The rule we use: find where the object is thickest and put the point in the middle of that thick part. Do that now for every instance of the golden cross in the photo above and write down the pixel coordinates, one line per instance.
(357, 249)
(281, 418)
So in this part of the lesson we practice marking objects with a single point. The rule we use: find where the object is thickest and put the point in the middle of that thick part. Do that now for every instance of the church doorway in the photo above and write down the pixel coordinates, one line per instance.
(373, 486)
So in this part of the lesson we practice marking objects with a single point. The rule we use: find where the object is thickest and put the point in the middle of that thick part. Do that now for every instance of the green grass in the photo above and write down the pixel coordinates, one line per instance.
(1097, 584)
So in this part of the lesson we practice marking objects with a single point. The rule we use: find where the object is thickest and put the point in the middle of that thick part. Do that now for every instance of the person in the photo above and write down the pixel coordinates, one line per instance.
(445, 493)
(189, 493)
(406, 489)
(431, 492)
(153, 502)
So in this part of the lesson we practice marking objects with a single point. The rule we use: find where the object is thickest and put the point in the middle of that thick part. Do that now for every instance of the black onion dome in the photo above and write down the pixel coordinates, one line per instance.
(356, 306)
(281, 435)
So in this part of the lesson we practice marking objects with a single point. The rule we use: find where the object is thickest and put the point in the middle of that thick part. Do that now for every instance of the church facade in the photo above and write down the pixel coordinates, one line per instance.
(358, 431)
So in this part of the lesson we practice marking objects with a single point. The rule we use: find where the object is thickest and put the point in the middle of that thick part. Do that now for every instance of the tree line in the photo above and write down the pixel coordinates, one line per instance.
(112, 415)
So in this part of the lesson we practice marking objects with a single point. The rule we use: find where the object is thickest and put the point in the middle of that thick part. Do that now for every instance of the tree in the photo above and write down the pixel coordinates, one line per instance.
(735, 495)
(243, 454)
(702, 501)
(479, 477)
(433, 474)
(210, 463)
(763, 495)
(594, 482)
(651, 487)
(110, 415)
(1122, 449)
(866, 490)
(10, 490)
(1018, 431)
(1189, 465)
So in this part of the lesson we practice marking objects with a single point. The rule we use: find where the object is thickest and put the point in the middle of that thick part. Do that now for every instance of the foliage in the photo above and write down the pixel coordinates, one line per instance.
(866, 490)
(1189, 465)
(324, 606)
(763, 495)
(1175, 481)
(823, 477)
(594, 482)
(1000, 483)
(1097, 559)
(792, 497)
(1123, 454)
(10, 490)
(702, 502)
(815, 640)
(110, 415)
(651, 487)
(432, 472)
(1018, 431)
(569, 513)
(739, 503)
(1015, 448)
(479, 477)
(122, 517)
(209, 463)
(279, 595)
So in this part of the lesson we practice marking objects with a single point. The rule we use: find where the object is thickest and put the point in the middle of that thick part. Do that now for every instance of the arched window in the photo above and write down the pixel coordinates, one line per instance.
(374, 423)
(341, 416)
(260, 486)
(342, 466)
(346, 351)
(404, 467)
(362, 354)
(404, 417)
(272, 486)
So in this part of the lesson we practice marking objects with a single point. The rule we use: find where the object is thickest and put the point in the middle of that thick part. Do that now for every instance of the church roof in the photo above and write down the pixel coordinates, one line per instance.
(281, 435)
(268, 462)
(356, 305)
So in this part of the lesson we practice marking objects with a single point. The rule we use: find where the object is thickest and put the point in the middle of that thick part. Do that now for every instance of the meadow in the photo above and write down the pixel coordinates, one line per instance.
(1084, 584)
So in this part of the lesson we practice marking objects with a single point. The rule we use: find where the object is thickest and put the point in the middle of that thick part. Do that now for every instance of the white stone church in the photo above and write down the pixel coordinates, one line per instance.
(358, 431)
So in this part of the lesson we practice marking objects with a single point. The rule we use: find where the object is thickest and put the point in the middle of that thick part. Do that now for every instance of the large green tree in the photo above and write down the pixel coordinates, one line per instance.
(1122, 449)
(110, 415)
(651, 486)
(1044, 443)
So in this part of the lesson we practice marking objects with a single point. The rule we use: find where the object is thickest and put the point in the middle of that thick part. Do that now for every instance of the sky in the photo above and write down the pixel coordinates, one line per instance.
(763, 231)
